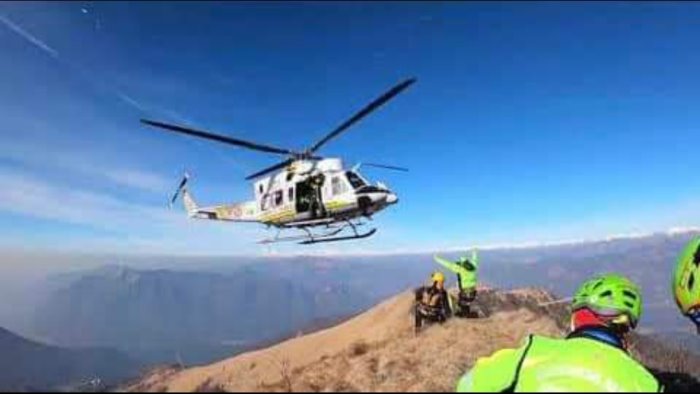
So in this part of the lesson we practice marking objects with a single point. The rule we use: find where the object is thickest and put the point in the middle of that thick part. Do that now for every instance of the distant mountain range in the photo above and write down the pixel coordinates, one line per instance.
(194, 317)
(30, 366)
(649, 261)
(560, 268)
(188, 317)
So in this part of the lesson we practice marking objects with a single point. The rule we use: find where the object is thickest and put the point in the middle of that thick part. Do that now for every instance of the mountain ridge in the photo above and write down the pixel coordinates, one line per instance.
(161, 314)
(26, 365)
(377, 351)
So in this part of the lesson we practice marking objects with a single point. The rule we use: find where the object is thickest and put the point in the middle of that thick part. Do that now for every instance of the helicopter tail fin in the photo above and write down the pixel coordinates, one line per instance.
(189, 203)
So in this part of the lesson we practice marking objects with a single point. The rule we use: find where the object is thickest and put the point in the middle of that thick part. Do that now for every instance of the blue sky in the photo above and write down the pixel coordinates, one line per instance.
(529, 121)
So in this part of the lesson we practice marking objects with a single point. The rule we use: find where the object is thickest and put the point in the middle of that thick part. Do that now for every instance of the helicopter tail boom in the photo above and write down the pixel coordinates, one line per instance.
(239, 212)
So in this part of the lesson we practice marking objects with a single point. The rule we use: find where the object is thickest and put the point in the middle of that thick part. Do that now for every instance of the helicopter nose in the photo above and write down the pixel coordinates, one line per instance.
(392, 198)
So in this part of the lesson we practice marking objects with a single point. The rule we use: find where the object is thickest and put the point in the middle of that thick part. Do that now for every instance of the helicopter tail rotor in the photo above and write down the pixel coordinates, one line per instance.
(180, 189)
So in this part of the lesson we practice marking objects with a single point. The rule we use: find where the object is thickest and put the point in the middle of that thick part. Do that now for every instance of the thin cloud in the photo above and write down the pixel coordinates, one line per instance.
(28, 195)
(121, 225)
(76, 162)
(29, 37)
(137, 179)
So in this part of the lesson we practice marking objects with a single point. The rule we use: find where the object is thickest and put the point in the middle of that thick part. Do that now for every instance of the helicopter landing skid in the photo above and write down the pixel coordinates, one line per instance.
(328, 236)
(356, 235)
(308, 235)
(336, 239)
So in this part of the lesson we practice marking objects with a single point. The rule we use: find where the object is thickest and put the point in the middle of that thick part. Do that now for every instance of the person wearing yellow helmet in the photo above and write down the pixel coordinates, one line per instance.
(592, 358)
(438, 278)
(686, 281)
(432, 303)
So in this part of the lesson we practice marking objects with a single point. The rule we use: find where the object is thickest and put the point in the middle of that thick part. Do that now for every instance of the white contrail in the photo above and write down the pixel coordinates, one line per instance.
(54, 54)
(129, 100)
(29, 37)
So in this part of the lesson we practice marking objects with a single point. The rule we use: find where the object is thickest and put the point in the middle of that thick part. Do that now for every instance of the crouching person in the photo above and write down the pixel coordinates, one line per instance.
(432, 303)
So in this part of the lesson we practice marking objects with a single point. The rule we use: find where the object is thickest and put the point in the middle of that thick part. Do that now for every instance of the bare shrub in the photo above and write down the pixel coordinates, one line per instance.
(284, 368)
(358, 348)
(344, 386)
(210, 386)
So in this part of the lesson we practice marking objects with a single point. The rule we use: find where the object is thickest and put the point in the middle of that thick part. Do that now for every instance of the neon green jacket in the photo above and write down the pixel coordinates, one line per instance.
(555, 365)
(467, 278)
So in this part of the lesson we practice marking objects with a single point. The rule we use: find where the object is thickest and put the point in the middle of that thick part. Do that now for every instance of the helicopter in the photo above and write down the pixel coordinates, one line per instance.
(316, 195)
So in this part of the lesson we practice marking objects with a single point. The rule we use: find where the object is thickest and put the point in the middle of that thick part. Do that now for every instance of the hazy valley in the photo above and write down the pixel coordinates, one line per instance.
(171, 315)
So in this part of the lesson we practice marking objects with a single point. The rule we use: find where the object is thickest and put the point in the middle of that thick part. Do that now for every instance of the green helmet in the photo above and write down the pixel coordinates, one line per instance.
(686, 279)
(610, 295)
(469, 263)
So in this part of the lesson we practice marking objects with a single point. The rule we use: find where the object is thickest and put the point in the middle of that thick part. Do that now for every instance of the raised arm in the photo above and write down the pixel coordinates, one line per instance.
(447, 264)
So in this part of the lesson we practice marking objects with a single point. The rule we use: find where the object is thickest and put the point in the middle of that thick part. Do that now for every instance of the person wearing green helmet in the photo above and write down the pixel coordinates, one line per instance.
(592, 358)
(686, 281)
(466, 270)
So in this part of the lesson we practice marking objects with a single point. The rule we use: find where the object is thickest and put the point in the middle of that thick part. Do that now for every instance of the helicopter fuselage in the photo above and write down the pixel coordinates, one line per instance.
(305, 194)
(312, 191)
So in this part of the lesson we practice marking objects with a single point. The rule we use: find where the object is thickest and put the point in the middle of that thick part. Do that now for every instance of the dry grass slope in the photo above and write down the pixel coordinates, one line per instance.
(378, 351)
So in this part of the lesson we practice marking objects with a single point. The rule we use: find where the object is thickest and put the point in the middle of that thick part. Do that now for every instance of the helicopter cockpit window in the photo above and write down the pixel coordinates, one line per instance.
(265, 203)
(355, 180)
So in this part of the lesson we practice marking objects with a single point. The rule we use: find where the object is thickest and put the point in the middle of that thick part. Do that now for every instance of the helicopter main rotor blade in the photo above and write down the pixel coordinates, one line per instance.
(217, 137)
(385, 166)
(364, 112)
(270, 169)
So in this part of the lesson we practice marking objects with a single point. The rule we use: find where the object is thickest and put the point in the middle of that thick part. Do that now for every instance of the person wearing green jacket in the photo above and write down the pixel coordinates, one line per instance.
(592, 358)
(686, 281)
(466, 270)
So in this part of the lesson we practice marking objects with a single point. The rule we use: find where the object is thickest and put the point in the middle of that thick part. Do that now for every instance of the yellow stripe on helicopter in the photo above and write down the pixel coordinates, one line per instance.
(277, 216)
(337, 204)
(290, 213)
